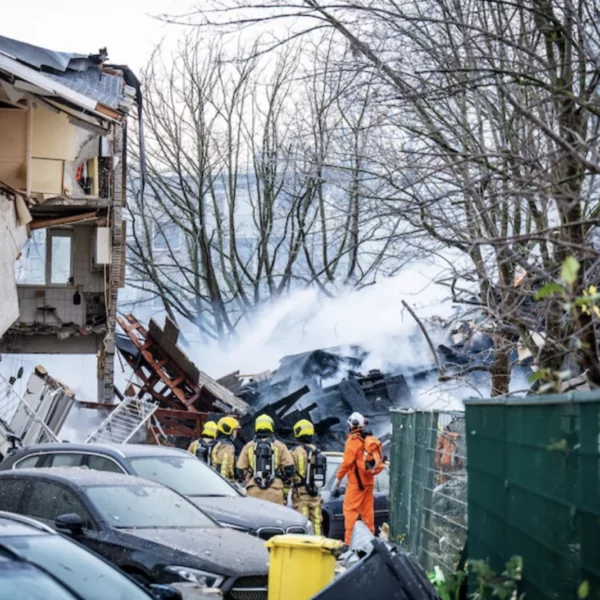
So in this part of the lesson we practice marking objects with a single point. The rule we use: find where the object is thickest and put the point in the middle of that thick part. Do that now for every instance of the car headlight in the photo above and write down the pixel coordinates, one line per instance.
(203, 578)
(236, 527)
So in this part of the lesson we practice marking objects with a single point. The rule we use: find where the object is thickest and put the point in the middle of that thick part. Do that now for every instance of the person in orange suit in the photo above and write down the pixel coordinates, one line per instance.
(358, 500)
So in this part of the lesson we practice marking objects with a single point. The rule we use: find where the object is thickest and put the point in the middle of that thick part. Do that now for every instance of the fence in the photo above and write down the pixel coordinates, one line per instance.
(428, 489)
(534, 490)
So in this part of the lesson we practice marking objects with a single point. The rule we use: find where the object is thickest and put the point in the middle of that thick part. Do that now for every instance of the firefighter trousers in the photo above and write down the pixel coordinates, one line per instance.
(310, 507)
(270, 494)
(357, 503)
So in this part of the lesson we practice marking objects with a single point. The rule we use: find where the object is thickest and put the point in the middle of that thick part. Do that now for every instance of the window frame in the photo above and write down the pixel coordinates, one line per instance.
(89, 521)
(157, 233)
(84, 463)
(50, 234)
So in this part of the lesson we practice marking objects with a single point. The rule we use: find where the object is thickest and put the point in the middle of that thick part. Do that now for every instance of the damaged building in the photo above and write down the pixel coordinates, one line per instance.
(63, 147)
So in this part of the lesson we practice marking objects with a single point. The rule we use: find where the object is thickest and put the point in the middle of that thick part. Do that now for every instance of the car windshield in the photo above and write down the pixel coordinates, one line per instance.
(186, 475)
(23, 581)
(139, 506)
(77, 568)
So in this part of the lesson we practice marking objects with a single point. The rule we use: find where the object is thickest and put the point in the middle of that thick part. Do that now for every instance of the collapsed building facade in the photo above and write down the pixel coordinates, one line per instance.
(62, 179)
(63, 148)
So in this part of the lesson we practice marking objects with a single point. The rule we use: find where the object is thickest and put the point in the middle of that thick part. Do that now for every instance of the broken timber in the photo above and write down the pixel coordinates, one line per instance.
(184, 394)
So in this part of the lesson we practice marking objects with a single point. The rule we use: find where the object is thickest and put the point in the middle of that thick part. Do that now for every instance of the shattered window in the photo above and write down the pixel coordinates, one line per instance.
(30, 269)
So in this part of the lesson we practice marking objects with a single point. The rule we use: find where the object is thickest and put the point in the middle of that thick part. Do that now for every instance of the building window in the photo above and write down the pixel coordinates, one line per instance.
(47, 259)
(167, 236)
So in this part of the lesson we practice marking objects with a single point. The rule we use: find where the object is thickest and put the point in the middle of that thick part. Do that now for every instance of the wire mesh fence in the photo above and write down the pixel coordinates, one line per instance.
(534, 491)
(428, 489)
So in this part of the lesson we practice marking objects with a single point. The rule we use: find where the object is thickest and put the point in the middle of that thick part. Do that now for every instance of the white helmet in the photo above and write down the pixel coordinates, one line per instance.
(356, 420)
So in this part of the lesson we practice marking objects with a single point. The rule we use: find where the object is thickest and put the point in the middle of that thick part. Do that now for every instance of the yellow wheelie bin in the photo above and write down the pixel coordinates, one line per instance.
(300, 565)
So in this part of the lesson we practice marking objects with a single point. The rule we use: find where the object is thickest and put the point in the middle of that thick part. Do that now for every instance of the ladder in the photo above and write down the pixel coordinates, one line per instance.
(123, 422)
(17, 417)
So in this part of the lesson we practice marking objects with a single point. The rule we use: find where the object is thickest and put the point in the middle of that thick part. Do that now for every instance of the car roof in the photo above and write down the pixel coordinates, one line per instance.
(115, 450)
(80, 476)
(18, 525)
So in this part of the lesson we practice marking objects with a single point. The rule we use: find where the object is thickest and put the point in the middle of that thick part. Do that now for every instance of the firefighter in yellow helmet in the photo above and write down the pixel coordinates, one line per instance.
(202, 447)
(223, 453)
(311, 471)
(265, 463)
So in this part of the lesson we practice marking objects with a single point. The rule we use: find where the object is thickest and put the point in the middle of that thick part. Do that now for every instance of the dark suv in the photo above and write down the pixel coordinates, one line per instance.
(176, 469)
(149, 531)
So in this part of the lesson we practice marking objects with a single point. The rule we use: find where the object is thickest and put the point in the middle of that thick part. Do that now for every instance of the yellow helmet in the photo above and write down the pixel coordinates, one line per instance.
(227, 425)
(304, 427)
(264, 423)
(209, 429)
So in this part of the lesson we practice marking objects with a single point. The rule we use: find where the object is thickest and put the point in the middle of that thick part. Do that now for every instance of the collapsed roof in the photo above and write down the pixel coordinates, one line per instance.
(84, 86)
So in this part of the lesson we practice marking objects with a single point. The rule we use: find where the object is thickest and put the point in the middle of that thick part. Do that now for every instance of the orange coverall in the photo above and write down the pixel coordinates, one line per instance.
(357, 501)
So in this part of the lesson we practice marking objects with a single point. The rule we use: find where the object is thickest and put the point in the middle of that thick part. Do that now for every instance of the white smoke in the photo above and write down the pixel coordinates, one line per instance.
(372, 318)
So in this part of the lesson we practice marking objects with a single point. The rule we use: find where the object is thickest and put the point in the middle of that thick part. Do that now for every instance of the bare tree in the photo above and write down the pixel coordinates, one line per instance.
(495, 110)
(253, 187)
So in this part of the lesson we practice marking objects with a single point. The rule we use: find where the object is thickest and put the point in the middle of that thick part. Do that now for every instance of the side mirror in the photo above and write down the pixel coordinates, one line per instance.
(342, 489)
(71, 522)
(164, 592)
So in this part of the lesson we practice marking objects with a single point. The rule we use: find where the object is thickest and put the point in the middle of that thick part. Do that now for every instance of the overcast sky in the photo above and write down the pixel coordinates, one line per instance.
(124, 27)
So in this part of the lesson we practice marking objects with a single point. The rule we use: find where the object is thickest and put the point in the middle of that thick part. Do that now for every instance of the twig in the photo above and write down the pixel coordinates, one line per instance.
(442, 374)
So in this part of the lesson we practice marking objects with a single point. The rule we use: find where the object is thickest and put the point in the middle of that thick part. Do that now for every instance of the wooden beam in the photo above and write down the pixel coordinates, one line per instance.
(44, 223)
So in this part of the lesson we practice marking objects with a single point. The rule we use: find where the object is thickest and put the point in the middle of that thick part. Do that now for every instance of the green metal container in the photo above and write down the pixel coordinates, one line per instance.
(534, 490)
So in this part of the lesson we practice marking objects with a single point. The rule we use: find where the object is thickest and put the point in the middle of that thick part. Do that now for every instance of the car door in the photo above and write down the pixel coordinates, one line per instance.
(46, 500)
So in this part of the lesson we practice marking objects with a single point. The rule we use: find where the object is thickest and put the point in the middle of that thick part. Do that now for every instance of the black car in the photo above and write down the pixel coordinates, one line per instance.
(147, 530)
(333, 516)
(176, 469)
(34, 558)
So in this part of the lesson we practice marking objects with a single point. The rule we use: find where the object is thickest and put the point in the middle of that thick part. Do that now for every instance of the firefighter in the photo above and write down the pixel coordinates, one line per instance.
(311, 469)
(223, 453)
(202, 447)
(358, 500)
(265, 463)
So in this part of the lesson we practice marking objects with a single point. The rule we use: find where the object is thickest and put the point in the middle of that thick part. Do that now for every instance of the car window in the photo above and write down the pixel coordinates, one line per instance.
(11, 491)
(146, 507)
(49, 500)
(186, 475)
(65, 460)
(77, 568)
(29, 463)
(383, 481)
(18, 580)
(101, 463)
(333, 465)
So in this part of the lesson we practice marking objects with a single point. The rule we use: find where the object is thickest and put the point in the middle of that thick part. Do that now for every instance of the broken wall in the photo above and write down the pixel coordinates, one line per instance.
(12, 239)
(80, 299)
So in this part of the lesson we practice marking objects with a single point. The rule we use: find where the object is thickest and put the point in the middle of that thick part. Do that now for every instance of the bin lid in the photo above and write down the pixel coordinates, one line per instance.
(296, 540)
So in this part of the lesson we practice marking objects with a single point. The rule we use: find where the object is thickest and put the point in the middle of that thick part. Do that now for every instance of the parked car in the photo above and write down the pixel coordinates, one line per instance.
(19, 579)
(39, 564)
(176, 469)
(333, 516)
(147, 530)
